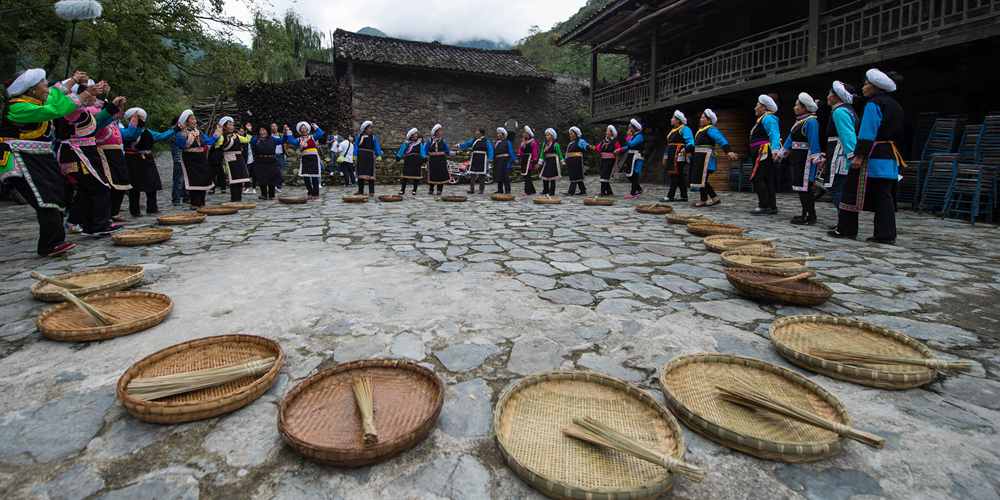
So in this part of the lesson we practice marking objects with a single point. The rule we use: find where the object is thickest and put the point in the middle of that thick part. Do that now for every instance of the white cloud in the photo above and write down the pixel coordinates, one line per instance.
(444, 20)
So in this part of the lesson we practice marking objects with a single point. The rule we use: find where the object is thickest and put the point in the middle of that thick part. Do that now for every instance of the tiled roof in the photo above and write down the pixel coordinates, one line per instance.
(387, 51)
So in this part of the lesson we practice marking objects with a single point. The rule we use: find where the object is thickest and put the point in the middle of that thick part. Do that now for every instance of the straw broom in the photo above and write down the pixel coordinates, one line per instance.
(364, 397)
(887, 359)
(737, 244)
(55, 281)
(748, 397)
(102, 318)
(151, 388)
(594, 432)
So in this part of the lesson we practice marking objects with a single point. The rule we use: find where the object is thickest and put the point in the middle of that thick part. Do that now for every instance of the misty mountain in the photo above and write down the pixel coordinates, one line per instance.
(477, 43)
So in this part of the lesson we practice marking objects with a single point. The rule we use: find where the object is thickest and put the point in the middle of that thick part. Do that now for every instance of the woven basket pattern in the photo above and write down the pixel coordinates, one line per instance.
(710, 229)
(390, 198)
(654, 209)
(547, 200)
(219, 210)
(795, 337)
(741, 258)
(240, 205)
(144, 236)
(502, 197)
(598, 202)
(689, 385)
(319, 417)
(676, 218)
(104, 279)
(137, 311)
(355, 198)
(724, 242)
(750, 282)
(292, 200)
(181, 219)
(528, 421)
(201, 354)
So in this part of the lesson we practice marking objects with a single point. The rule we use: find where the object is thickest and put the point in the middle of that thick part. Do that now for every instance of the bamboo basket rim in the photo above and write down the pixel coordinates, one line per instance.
(777, 292)
(551, 200)
(502, 197)
(654, 209)
(217, 210)
(354, 198)
(103, 332)
(187, 411)
(759, 251)
(142, 236)
(240, 205)
(598, 201)
(846, 371)
(713, 242)
(453, 198)
(685, 218)
(180, 219)
(390, 198)
(293, 199)
(383, 450)
(713, 228)
(549, 486)
(790, 451)
(132, 279)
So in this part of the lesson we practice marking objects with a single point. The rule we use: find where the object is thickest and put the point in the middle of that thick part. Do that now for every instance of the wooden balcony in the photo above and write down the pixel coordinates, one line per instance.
(859, 33)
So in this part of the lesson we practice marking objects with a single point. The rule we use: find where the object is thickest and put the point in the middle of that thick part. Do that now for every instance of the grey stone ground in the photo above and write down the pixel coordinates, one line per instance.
(487, 292)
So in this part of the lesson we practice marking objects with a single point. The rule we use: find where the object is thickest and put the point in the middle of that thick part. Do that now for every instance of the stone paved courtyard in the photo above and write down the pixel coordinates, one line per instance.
(487, 292)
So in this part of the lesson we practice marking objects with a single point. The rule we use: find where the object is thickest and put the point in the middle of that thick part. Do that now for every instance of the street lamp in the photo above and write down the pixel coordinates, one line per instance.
(74, 11)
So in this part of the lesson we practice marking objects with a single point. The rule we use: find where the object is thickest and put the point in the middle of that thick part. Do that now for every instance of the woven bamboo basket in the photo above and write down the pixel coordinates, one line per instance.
(502, 197)
(217, 210)
(293, 200)
(598, 202)
(758, 285)
(724, 242)
(529, 417)
(712, 229)
(676, 218)
(240, 205)
(797, 337)
(181, 219)
(743, 258)
(144, 236)
(201, 354)
(547, 200)
(136, 311)
(102, 279)
(453, 198)
(319, 417)
(654, 209)
(690, 384)
(355, 198)
(390, 198)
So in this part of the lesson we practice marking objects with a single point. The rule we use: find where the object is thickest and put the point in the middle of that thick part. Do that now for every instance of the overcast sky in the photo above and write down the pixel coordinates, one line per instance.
(444, 20)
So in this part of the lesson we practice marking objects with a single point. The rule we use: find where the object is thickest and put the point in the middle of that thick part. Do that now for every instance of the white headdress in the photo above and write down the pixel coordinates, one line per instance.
(135, 111)
(552, 132)
(614, 131)
(364, 125)
(768, 102)
(502, 131)
(527, 130)
(75, 89)
(808, 102)
(25, 81)
(224, 120)
(712, 117)
(842, 93)
(412, 132)
(298, 127)
(576, 130)
(187, 113)
(680, 116)
(635, 124)
(436, 127)
(881, 80)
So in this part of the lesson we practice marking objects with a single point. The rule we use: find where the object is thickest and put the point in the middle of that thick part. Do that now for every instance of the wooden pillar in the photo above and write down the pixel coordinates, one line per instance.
(593, 79)
(813, 33)
(652, 67)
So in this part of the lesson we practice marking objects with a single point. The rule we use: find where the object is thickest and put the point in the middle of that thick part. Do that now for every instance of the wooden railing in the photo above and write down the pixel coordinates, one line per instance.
(852, 30)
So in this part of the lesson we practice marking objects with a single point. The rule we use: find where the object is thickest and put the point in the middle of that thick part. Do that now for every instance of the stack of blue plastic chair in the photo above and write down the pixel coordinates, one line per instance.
(937, 177)
(739, 176)
(914, 185)
(973, 191)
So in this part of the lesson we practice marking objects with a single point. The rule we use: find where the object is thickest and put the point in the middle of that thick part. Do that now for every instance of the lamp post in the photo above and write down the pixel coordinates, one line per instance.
(74, 11)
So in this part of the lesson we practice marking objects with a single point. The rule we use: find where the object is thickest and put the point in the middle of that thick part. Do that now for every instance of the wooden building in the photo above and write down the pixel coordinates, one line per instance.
(693, 54)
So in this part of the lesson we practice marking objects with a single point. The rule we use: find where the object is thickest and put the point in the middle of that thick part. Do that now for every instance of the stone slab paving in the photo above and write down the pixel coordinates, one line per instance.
(485, 293)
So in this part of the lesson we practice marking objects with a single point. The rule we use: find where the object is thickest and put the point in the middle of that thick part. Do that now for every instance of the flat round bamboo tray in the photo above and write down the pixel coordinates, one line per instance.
(240, 205)
(598, 202)
(654, 209)
(217, 210)
(293, 200)
(796, 337)
(690, 384)
(102, 279)
(136, 311)
(355, 198)
(547, 200)
(713, 229)
(529, 417)
(453, 198)
(181, 219)
(502, 197)
(144, 236)
(742, 258)
(676, 218)
(390, 198)
(319, 417)
(754, 284)
(202, 354)
(723, 242)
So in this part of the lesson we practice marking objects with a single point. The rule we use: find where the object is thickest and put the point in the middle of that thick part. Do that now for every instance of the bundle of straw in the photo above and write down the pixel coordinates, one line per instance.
(779, 260)
(55, 281)
(887, 359)
(100, 317)
(594, 432)
(148, 389)
(748, 397)
(364, 396)
(737, 244)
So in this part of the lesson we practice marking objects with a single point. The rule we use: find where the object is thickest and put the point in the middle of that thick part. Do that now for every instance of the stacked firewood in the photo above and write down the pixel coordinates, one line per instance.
(314, 100)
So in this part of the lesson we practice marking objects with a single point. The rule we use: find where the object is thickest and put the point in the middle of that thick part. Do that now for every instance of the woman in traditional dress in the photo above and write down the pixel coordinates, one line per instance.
(479, 161)
(367, 149)
(503, 161)
(550, 163)
(412, 153)
(575, 148)
(842, 138)
(27, 162)
(765, 143)
(143, 175)
(437, 161)
(703, 161)
(632, 148)
(234, 162)
(802, 148)
(528, 156)
(194, 144)
(680, 145)
(606, 149)
(266, 165)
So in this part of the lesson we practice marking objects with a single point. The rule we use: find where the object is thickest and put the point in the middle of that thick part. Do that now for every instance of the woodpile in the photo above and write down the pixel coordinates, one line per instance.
(316, 100)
